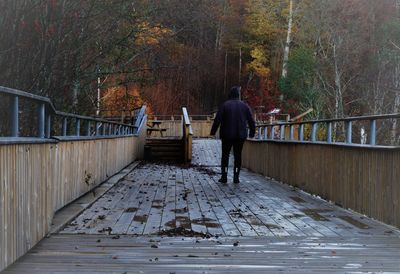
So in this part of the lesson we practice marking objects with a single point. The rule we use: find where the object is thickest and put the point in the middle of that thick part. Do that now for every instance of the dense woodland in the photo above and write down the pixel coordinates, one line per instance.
(339, 57)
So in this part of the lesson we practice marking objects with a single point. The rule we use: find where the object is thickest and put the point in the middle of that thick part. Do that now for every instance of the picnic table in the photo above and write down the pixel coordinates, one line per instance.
(155, 127)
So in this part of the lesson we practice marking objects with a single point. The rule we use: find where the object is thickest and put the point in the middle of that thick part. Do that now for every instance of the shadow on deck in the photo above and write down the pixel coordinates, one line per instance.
(174, 219)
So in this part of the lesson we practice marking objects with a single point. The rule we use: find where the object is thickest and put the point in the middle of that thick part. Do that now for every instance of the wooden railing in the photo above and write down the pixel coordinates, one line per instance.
(363, 176)
(187, 136)
(40, 175)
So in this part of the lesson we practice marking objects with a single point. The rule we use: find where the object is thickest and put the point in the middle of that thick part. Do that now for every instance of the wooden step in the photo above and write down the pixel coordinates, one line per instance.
(164, 150)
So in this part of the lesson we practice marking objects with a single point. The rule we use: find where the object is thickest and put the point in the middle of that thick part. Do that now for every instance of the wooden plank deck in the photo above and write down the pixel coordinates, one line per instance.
(176, 219)
(127, 254)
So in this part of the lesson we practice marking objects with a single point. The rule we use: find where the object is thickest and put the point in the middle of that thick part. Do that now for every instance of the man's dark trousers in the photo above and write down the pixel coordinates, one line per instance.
(237, 145)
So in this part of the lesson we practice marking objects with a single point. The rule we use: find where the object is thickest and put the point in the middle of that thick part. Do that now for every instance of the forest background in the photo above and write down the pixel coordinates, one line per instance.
(343, 56)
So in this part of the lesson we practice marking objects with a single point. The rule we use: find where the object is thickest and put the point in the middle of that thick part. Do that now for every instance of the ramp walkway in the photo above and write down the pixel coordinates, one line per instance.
(165, 218)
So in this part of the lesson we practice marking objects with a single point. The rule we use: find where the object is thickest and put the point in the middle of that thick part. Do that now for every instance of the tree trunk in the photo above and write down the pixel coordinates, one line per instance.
(288, 40)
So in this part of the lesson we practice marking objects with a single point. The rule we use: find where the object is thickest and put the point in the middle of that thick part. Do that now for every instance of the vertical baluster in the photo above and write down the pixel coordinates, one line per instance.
(41, 120)
(110, 129)
(329, 133)
(301, 132)
(291, 137)
(14, 116)
(372, 133)
(88, 126)
(282, 133)
(272, 133)
(265, 133)
(78, 127)
(314, 132)
(349, 127)
(103, 125)
(64, 127)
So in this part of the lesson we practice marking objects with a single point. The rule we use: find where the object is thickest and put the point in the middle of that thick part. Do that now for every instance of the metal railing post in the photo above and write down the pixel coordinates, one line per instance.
(272, 133)
(301, 133)
(14, 116)
(314, 132)
(64, 128)
(372, 133)
(282, 133)
(78, 127)
(349, 127)
(88, 128)
(291, 135)
(329, 133)
(41, 120)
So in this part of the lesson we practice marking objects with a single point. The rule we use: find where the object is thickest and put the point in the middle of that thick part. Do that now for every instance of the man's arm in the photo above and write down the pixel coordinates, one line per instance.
(217, 122)
(251, 123)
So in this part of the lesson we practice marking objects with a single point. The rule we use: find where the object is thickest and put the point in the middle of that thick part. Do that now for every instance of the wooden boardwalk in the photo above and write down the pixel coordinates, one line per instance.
(175, 219)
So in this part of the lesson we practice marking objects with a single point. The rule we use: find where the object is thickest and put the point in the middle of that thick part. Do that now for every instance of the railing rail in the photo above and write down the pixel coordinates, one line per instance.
(286, 131)
(187, 136)
(46, 111)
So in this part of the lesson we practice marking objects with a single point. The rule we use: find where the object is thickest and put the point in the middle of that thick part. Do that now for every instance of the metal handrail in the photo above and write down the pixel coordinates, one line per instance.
(268, 131)
(46, 110)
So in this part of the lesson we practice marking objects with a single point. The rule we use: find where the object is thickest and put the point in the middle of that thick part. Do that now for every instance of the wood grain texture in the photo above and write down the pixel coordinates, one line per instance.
(256, 255)
(363, 179)
(39, 179)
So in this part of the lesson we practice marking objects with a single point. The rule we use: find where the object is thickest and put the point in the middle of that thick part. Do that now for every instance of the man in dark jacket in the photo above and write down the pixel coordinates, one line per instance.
(233, 117)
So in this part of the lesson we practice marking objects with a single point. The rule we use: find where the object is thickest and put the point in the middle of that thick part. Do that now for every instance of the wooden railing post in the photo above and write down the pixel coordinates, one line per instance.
(187, 136)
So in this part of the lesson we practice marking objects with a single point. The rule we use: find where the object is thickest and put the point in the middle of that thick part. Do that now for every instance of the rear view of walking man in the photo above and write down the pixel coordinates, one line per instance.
(233, 117)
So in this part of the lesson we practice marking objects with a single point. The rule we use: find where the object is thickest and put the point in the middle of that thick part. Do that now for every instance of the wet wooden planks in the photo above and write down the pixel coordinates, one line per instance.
(127, 254)
(156, 198)
(207, 152)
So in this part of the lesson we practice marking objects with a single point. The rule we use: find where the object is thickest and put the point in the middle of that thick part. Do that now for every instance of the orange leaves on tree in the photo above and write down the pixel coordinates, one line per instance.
(151, 35)
(117, 99)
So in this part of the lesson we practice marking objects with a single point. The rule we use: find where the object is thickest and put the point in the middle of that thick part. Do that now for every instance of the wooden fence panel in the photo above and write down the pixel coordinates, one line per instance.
(38, 179)
(364, 179)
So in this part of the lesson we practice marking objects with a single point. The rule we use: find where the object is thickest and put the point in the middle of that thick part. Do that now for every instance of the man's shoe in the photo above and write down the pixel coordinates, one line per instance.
(236, 172)
(224, 178)
(236, 179)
